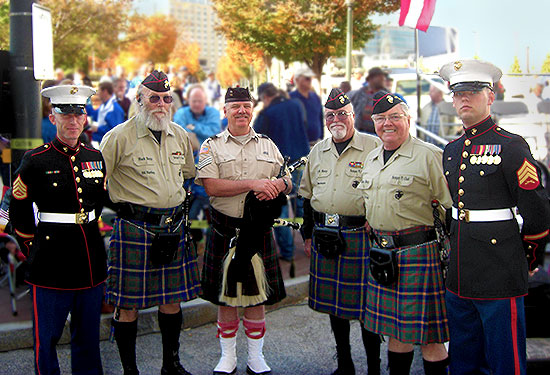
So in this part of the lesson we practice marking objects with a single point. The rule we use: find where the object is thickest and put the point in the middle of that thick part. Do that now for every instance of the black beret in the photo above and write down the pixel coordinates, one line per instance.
(238, 94)
(336, 99)
(384, 101)
(157, 81)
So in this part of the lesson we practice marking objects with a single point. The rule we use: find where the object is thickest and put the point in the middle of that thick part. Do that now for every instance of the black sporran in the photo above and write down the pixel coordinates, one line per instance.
(329, 242)
(164, 248)
(383, 266)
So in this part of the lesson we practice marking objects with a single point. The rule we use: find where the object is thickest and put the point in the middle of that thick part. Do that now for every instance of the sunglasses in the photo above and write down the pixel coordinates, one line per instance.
(155, 99)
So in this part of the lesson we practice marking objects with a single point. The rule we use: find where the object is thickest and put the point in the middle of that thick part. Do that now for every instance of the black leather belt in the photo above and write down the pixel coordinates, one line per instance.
(404, 240)
(128, 211)
(323, 219)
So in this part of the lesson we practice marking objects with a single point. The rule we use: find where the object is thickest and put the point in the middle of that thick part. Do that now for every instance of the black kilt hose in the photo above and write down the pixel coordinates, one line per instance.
(133, 282)
(217, 246)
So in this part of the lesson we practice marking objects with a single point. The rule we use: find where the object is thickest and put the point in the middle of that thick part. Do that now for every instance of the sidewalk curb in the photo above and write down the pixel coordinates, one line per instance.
(196, 313)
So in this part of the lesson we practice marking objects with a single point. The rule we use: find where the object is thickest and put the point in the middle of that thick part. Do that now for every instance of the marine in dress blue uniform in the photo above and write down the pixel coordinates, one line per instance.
(64, 249)
(490, 173)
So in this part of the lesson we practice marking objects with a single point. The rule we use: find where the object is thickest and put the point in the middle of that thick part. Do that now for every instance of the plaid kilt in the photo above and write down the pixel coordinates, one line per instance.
(412, 310)
(133, 282)
(217, 246)
(337, 286)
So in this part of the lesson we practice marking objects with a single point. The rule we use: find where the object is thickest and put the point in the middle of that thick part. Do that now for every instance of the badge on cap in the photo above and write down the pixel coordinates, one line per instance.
(381, 105)
(470, 75)
(156, 81)
(336, 99)
(68, 99)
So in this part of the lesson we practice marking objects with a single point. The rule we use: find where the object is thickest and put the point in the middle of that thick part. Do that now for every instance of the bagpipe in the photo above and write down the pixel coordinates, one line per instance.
(244, 280)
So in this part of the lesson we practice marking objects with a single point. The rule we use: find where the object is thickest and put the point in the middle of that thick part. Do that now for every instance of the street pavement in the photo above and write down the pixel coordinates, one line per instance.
(298, 341)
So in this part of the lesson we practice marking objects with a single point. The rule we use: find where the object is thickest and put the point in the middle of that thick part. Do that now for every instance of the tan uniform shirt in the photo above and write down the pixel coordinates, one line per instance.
(141, 171)
(225, 157)
(398, 195)
(328, 178)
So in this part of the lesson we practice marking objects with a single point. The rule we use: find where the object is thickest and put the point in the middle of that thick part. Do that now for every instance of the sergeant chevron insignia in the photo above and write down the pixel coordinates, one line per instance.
(527, 176)
(19, 189)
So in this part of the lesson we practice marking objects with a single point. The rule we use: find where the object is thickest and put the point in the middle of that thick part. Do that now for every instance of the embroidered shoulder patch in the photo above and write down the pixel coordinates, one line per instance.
(203, 162)
(528, 178)
(19, 189)
(205, 148)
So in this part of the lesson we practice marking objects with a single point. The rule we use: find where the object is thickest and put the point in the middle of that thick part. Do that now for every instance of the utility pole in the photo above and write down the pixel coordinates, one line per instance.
(24, 87)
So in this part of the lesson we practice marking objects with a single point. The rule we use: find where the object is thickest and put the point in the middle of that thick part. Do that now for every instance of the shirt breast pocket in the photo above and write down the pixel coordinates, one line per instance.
(177, 159)
(402, 195)
(142, 161)
(321, 181)
(226, 165)
(365, 187)
(267, 165)
(353, 180)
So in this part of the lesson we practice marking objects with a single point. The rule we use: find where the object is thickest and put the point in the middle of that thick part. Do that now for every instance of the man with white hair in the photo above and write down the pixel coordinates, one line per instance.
(334, 212)
(148, 158)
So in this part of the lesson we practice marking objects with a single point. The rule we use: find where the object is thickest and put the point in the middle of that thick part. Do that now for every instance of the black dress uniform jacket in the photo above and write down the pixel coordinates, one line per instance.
(60, 179)
(490, 259)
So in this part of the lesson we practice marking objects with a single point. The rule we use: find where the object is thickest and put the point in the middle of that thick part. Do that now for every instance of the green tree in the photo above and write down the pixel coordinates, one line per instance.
(310, 31)
(545, 68)
(515, 68)
(4, 24)
(85, 27)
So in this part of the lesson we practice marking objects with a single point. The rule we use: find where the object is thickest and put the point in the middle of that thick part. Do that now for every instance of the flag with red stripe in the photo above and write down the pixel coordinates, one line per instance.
(417, 13)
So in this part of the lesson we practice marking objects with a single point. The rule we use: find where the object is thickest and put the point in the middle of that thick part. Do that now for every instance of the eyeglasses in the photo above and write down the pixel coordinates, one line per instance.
(342, 115)
(395, 117)
(155, 99)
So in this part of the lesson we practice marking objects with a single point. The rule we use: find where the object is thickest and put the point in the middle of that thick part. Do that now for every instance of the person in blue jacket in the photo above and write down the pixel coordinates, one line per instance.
(282, 120)
(311, 102)
(203, 121)
(109, 114)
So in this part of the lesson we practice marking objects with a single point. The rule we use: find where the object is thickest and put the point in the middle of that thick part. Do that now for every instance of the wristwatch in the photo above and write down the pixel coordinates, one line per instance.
(286, 184)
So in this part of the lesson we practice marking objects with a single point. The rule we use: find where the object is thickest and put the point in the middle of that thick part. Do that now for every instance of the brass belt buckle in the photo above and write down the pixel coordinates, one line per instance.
(81, 218)
(332, 220)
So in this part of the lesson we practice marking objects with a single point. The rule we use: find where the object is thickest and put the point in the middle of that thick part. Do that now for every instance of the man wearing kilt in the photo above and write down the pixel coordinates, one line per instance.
(232, 164)
(148, 158)
(491, 174)
(334, 209)
(400, 180)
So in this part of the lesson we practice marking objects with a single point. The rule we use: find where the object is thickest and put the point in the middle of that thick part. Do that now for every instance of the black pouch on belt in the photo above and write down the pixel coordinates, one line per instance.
(329, 242)
(383, 265)
(164, 248)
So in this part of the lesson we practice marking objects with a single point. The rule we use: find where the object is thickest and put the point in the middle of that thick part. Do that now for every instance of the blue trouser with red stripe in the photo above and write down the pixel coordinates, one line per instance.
(487, 336)
(50, 310)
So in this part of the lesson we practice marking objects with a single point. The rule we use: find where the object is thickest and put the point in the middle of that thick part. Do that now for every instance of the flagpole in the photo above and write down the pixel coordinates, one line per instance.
(418, 85)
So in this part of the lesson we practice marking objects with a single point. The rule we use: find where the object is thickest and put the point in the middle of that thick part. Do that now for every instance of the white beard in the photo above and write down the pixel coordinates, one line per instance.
(338, 133)
(152, 121)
